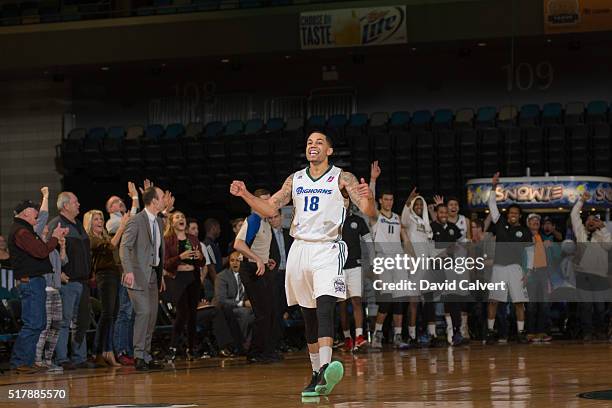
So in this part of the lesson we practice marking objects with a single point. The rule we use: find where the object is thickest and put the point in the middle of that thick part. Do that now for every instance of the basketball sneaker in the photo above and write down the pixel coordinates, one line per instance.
(329, 376)
(545, 338)
(522, 337)
(457, 340)
(309, 390)
(399, 343)
(360, 342)
(377, 342)
(348, 345)
(491, 337)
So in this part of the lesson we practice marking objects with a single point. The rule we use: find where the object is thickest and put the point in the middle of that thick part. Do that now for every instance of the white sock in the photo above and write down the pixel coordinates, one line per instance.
(490, 323)
(358, 332)
(378, 327)
(464, 320)
(431, 329)
(314, 360)
(520, 325)
(325, 353)
(449, 321)
(412, 332)
(347, 334)
(397, 330)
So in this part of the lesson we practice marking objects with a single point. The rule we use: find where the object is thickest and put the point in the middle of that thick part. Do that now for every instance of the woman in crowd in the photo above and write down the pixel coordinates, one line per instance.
(108, 279)
(182, 265)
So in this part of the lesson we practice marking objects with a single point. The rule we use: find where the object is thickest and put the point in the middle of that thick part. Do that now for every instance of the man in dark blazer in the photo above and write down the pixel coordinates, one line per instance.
(142, 256)
(231, 296)
(281, 239)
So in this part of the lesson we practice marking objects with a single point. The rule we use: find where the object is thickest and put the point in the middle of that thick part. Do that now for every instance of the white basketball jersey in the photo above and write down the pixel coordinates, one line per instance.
(386, 234)
(463, 226)
(318, 206)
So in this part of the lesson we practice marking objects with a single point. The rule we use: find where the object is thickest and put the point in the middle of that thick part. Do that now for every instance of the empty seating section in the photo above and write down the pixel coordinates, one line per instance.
(15, 12)
(437, 152)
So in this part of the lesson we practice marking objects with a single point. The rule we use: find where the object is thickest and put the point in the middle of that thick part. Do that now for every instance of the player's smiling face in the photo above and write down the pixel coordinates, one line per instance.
(317, 148)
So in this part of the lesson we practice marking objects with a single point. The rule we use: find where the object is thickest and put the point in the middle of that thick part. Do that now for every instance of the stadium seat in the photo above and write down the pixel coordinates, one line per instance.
(421, 120)
(446, 157)
(92, 145)
(507, 116)
(213, 129)
(71, 149)
(194, 130)
(556, 149)
(316, 121)
(357, 134)
(250, 3)
(534, 149)
(11, 15)
(275, 125)
(49, 11)
(154, 133)
(464, 119)
(131, 146)
(399, 119)
(578, 144)
(529, 115)
(254, 127)
(467, 141)
(485, 117)
(443, 119)
(574, 113)
(512, 152)
(379, 119)
(552, 114)
(597, 112)
(234, 128)
(134, 133)
(337, 122)
(206, 5)
(601, 149)
(174, 131)
(173, 154)
(489, 153)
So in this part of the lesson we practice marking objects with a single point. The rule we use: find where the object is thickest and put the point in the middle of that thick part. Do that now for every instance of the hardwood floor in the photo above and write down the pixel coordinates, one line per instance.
(476, 376)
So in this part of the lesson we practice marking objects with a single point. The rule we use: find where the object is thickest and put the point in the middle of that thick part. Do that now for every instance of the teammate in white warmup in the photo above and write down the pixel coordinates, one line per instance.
(314, 276)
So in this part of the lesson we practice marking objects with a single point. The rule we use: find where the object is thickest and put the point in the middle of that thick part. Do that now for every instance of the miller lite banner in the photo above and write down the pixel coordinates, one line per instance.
(353, 27)
(541, 192)
(571, 16)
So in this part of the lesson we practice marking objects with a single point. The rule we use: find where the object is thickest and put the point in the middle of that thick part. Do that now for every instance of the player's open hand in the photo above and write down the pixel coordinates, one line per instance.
(261, 267)
(495, 180)
(363, 189)
(374, 170)
(238, 188)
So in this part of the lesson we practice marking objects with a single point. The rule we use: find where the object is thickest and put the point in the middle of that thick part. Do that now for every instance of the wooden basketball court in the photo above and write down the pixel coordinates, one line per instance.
(476, 376)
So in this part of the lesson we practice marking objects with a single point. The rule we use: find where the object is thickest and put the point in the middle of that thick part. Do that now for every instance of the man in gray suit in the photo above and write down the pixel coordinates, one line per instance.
(229, 295)
(142, 256)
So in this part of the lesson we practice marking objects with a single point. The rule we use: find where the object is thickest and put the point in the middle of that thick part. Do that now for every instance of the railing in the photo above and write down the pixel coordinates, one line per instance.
(223, 108)
(332, 101)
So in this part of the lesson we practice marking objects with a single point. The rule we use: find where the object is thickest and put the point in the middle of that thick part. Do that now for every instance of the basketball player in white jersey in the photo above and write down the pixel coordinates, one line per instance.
(314, 276)
(388, 235)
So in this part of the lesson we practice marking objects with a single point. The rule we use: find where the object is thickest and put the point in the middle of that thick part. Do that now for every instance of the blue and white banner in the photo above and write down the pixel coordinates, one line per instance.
(541, 192)
(353, 27)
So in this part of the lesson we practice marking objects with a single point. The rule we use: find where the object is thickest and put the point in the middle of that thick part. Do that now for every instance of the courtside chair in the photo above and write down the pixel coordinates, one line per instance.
(552, 114)
(597, 112)
(486, 117)
(574, 113)
(464, 119)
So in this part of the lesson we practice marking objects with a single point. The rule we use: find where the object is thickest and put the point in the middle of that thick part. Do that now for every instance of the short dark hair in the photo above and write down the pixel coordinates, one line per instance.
(149, 194)
(452, 198)
(328, 133)
(479, 223)
(386, 192)
(191, 220)
(209, 223)
(518, 207)
(442, 205)
(261, 191)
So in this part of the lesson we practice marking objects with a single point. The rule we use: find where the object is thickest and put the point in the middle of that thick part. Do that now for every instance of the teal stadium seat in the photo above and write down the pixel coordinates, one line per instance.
(486, 117)
(597, 112)
(234, 128)
(552, 114)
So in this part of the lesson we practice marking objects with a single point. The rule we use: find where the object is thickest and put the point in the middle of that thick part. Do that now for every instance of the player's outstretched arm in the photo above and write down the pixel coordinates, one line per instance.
(359, 192)
(492, 203)
(267, 208)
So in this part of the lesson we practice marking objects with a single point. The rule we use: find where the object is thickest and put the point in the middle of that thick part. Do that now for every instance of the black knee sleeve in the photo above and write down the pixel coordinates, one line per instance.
(325, 314)
(310, 325)
(429, 312)
(384, 307)
(399, 308)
